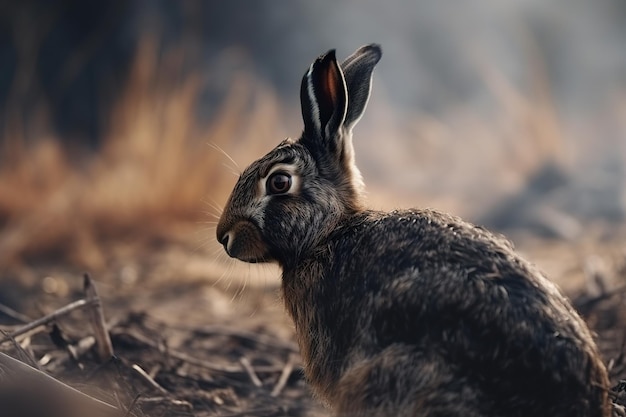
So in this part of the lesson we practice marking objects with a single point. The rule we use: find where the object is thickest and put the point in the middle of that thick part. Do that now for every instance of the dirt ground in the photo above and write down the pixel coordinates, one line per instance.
(197, 336)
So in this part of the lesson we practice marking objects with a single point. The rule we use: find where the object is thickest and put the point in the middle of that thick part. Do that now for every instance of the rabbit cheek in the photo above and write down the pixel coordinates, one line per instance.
(247, 244)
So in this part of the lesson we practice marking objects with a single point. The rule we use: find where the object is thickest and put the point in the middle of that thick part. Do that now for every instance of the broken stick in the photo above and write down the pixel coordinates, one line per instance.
(63, 311)
(103, 340)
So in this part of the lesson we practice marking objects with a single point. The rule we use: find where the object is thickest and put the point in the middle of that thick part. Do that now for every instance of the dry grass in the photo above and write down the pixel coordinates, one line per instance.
(159, 173)
(152, 173)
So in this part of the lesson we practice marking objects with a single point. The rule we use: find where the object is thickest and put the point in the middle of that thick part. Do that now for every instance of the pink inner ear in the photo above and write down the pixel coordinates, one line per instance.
(331, 81)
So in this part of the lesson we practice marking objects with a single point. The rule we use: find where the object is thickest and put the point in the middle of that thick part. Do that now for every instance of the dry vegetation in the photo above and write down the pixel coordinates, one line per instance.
(138, 215)
(153, 171)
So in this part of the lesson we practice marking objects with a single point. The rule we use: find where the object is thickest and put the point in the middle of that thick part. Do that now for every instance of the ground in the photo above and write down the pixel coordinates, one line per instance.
(212, 335)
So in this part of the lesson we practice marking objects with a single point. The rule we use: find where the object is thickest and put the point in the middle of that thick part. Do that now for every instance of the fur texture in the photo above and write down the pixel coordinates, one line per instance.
(408, 313)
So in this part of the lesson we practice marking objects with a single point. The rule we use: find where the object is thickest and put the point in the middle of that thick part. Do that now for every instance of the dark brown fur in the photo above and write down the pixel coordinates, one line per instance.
(465, 324)
(408, 313)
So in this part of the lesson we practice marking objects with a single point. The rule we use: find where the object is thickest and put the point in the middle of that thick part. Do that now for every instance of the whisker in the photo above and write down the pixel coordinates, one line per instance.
(206, 226)
(239, 292)
(231, 170)
(212, 222)
(230, 281)
(216, 147)
(218, 253)
(211, 215)
(214, 206)
(201, 244)
(227, 271)
(202, 232)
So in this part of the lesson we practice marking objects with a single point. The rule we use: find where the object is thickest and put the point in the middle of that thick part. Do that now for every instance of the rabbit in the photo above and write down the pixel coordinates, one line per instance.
(405, 313)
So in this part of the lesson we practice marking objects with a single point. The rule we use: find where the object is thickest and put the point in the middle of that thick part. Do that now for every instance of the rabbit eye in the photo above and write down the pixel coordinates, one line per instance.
(278, 183)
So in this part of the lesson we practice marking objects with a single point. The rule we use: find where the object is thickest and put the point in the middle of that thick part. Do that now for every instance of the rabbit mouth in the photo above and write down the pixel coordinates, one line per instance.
(244, 242)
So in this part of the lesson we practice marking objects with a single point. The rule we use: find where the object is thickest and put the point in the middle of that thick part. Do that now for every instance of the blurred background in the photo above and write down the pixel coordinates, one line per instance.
(116, 116)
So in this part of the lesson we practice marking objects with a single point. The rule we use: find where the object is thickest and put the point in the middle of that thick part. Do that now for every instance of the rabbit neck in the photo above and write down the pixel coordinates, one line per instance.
(301, 291)
(309, 291)
(311, 239)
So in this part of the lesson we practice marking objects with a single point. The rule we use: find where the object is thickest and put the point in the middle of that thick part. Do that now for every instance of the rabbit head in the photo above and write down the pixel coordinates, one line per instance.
(286, 202)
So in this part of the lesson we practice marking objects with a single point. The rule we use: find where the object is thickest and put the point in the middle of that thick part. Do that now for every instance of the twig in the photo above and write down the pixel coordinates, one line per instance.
(284, 376)
(202, 363)
(149, 379)
(261, 339)
(20, 369)
(63, 311)
(79, 348)
(14, 314)
(256, 412)
(250, 370)
(103, 341)
(190, 359)
(132, 405)
(25, 356)
(178, 403)
(183, 356)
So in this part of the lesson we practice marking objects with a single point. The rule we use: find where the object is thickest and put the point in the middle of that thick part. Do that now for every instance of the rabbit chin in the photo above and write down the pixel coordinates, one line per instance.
(247, 244)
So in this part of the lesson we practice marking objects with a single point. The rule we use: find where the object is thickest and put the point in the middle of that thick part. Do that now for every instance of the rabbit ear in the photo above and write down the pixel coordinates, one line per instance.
(357, 70)
(331, 104)
(323, 98)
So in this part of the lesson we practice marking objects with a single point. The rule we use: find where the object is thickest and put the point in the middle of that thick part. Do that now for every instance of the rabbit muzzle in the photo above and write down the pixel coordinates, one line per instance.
(243, 241)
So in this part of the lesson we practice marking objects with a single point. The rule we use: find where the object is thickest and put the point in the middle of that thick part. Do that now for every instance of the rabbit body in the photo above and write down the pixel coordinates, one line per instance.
(408, 313)
(417, 313)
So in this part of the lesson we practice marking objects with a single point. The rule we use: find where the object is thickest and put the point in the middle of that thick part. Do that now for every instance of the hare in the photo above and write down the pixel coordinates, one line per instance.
(404, 313)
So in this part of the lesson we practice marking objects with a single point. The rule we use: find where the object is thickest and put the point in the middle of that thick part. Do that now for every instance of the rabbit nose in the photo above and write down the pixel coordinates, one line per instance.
(224, 241)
